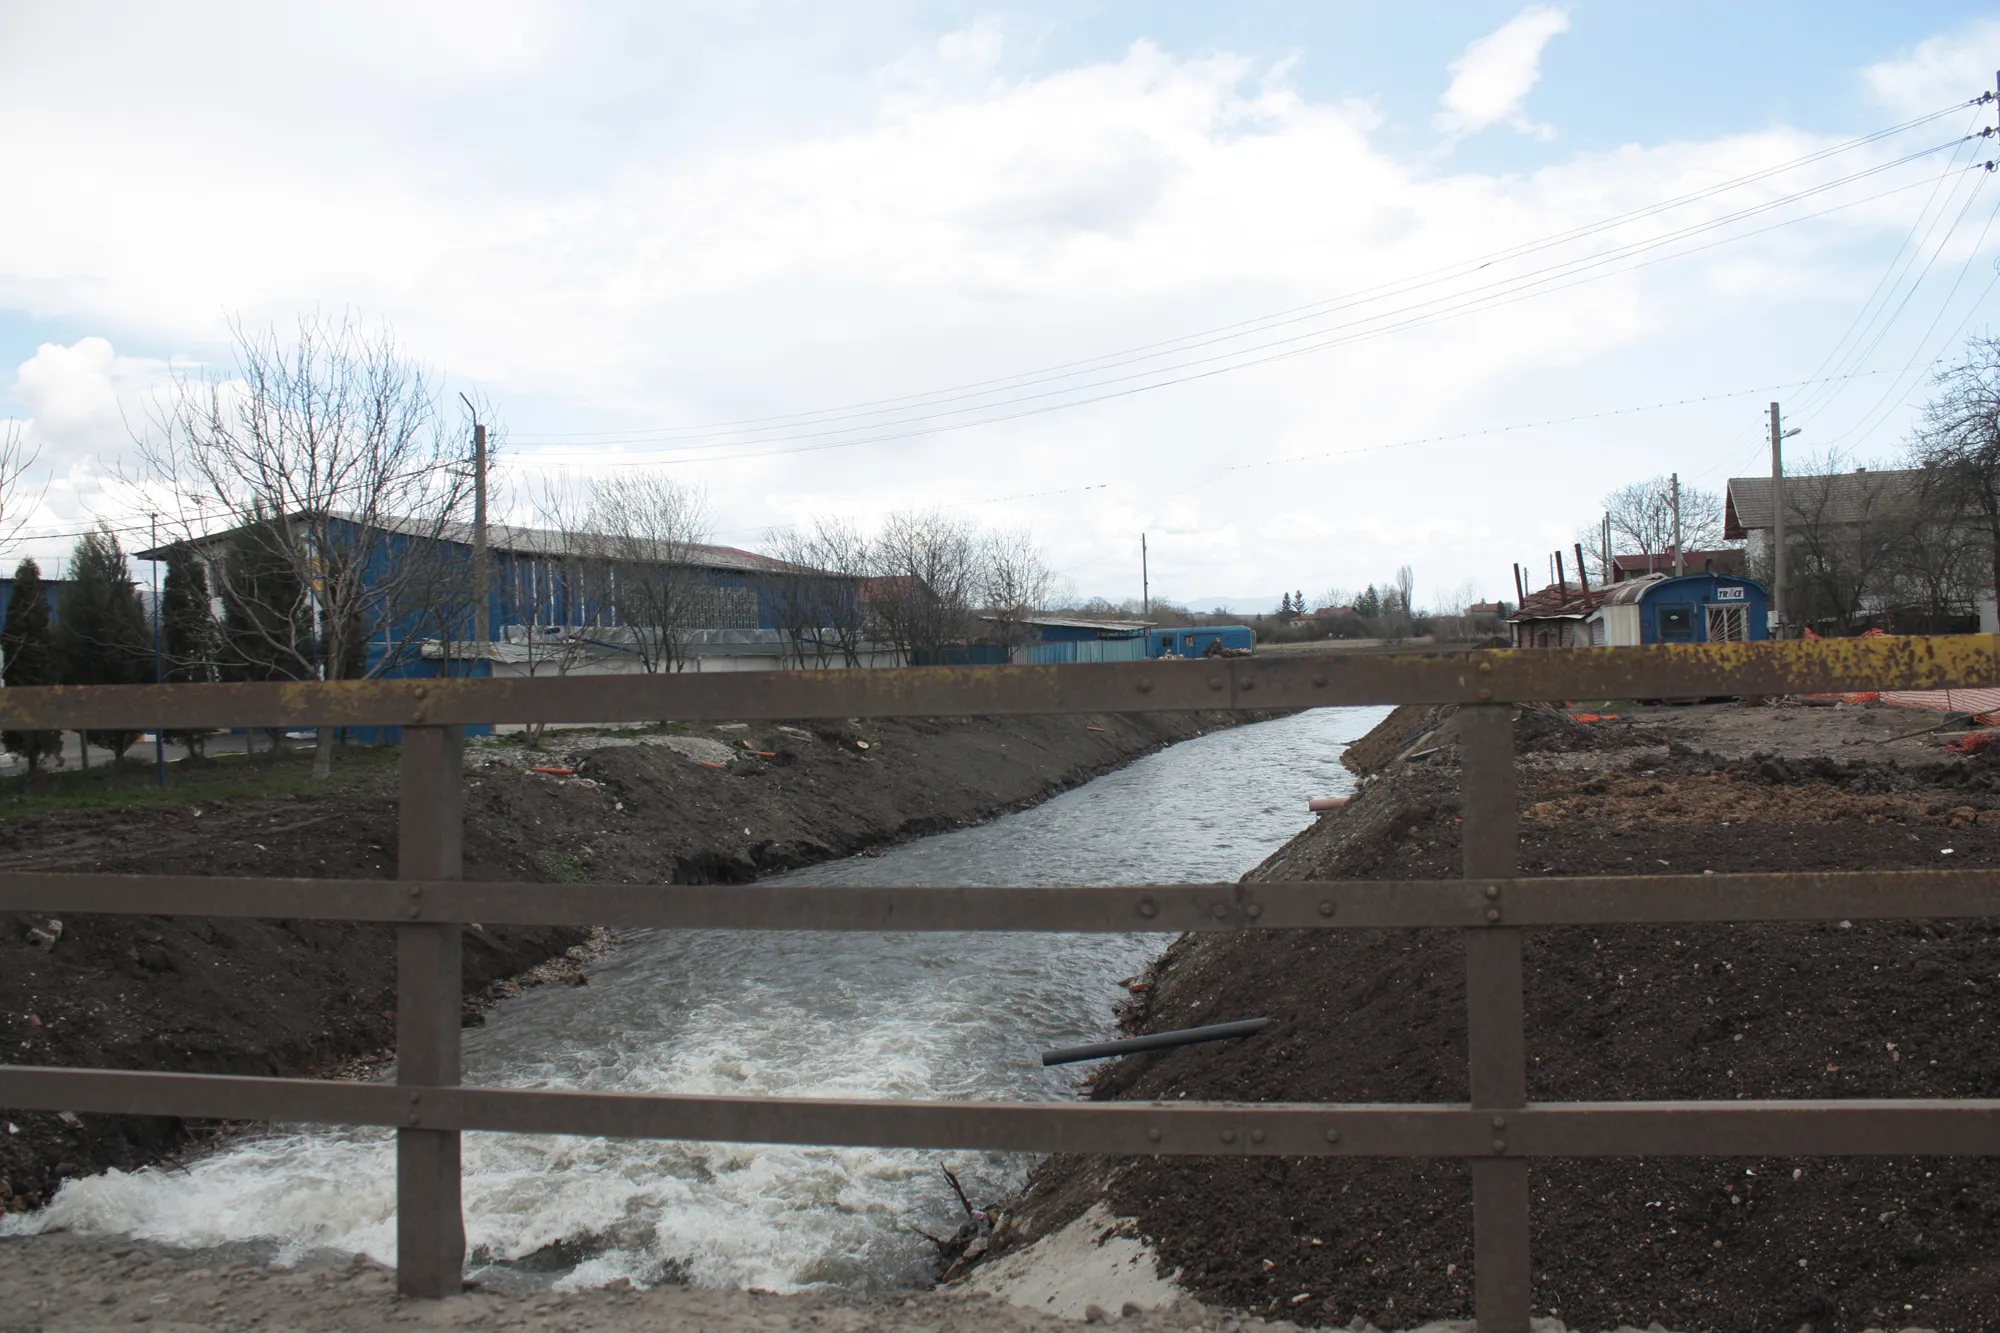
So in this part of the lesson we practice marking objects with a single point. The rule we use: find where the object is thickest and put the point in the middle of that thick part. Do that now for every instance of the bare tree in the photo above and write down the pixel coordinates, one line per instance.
(1960, 440)
(331, 449)
(926, 578)
(1844, 530)
(648, 529)
(1398, 615)
(17, 455)
(1938, 558)
(1642, 520)
(816, 595)
(560, 599)
(1014, 583)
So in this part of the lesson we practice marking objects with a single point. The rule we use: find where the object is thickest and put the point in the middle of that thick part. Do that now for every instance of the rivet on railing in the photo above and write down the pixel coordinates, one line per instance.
(1221, 911)
(1333, 1136)
(1499, 1145)
(1326, 909)
(1499, 1122)
(1492, 890)
(1485, 668)
(1145, 685)
(1246, 684)
(1254, 910)
(1215, 682)
(1485, 693)
(1256, 1136)
(416, 907)
(1229, 1136)
(1154, 1135)
(1148, 908)
(1492, 914)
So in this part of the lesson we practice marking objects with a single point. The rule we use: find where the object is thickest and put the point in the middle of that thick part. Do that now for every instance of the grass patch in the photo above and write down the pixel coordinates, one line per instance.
(189, 781)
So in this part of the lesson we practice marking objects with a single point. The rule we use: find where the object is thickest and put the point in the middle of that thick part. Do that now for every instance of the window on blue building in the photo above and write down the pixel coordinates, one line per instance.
(1676, 622)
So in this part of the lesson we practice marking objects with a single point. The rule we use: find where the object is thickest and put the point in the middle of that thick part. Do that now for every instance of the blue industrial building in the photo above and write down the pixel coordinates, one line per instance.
(52, 589)
(543, 588)
(1693, 608)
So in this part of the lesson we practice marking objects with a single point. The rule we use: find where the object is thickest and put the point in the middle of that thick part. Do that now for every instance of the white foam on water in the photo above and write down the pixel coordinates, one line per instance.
(959, 1016)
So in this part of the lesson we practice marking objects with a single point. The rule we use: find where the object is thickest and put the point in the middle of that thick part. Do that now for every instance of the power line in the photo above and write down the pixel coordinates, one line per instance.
(1885, 286)
(1229, 332)
(1517, 282)
(1522, 287)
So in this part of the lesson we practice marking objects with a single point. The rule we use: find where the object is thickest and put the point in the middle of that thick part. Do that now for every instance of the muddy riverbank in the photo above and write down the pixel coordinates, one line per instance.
(683, 805)
(1890, 1009)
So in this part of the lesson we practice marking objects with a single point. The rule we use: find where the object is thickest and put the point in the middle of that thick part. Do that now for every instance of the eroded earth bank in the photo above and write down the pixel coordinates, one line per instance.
(1893, 1009)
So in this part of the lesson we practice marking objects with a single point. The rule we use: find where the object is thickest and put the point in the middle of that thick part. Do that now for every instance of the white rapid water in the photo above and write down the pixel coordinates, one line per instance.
(780, 1013)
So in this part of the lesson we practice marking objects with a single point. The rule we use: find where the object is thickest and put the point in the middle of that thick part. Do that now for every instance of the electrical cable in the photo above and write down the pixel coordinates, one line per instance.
(1916, 285)
(1531, 278)
(1229, 332)
(1840, 357)
(1522, 287)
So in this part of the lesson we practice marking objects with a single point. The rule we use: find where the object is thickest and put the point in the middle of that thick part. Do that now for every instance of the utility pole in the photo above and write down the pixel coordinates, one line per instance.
(1778, 436)
(1680, 564)
(159, 666)
(1145, 581)
(482, 632)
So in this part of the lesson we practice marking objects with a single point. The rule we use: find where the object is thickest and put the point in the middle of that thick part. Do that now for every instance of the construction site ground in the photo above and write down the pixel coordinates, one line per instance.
(1861, 1009)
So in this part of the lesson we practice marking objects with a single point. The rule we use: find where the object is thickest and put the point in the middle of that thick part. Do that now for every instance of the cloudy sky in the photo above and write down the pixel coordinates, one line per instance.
(1302, 291)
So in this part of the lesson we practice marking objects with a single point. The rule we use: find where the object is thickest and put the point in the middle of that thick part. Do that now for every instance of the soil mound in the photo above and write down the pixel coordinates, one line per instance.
(1899, 1009)
(1547, 729)
(1392, 736)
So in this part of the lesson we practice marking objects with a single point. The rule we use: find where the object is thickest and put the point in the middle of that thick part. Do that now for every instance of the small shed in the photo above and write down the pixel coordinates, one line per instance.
(1554, 618)
(1694, 608)
(1047, 640)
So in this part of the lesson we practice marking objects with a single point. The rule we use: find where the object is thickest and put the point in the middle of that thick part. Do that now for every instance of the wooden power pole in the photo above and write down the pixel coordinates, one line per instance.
(1680, 564)
(1777, 523)
(1145, 581)
(482, 630)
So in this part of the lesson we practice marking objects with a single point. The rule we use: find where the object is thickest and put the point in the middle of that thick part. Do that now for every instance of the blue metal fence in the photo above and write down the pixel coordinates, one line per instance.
(1087, 650)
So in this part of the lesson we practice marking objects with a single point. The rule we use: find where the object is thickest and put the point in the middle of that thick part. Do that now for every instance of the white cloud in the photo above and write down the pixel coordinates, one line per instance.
(1938, 72)
(1490, 83)
(85, 399)
(947, 226)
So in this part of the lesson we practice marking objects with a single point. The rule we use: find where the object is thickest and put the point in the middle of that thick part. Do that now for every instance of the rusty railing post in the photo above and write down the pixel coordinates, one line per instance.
(1495, 1022)
(430, 1227)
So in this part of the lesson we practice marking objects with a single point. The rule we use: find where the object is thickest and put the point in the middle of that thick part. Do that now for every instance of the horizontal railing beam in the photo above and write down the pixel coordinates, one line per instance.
(1363, 904)
(1651, 672)
(1548, 1129)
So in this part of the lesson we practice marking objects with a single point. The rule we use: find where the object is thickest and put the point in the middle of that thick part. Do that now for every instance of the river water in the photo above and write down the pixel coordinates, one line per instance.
(959, 1016)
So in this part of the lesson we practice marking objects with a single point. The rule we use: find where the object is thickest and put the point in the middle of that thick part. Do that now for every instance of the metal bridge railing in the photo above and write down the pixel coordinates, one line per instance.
(1498, 1131)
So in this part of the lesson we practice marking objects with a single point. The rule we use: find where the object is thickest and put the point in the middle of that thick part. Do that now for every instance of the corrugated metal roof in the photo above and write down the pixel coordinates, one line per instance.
(1070, 622)
(1841, 497)
(549, 542)
(1563, 601)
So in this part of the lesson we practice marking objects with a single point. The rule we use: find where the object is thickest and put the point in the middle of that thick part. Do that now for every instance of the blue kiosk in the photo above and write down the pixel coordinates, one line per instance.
(1693, 608)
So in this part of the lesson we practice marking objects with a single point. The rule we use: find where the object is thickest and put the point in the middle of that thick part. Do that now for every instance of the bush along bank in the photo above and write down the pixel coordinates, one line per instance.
(1861, 1009)
(685, 805)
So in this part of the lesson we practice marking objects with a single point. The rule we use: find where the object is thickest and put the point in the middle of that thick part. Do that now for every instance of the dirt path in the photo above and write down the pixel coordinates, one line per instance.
(689, 805)
(1892, 1009)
